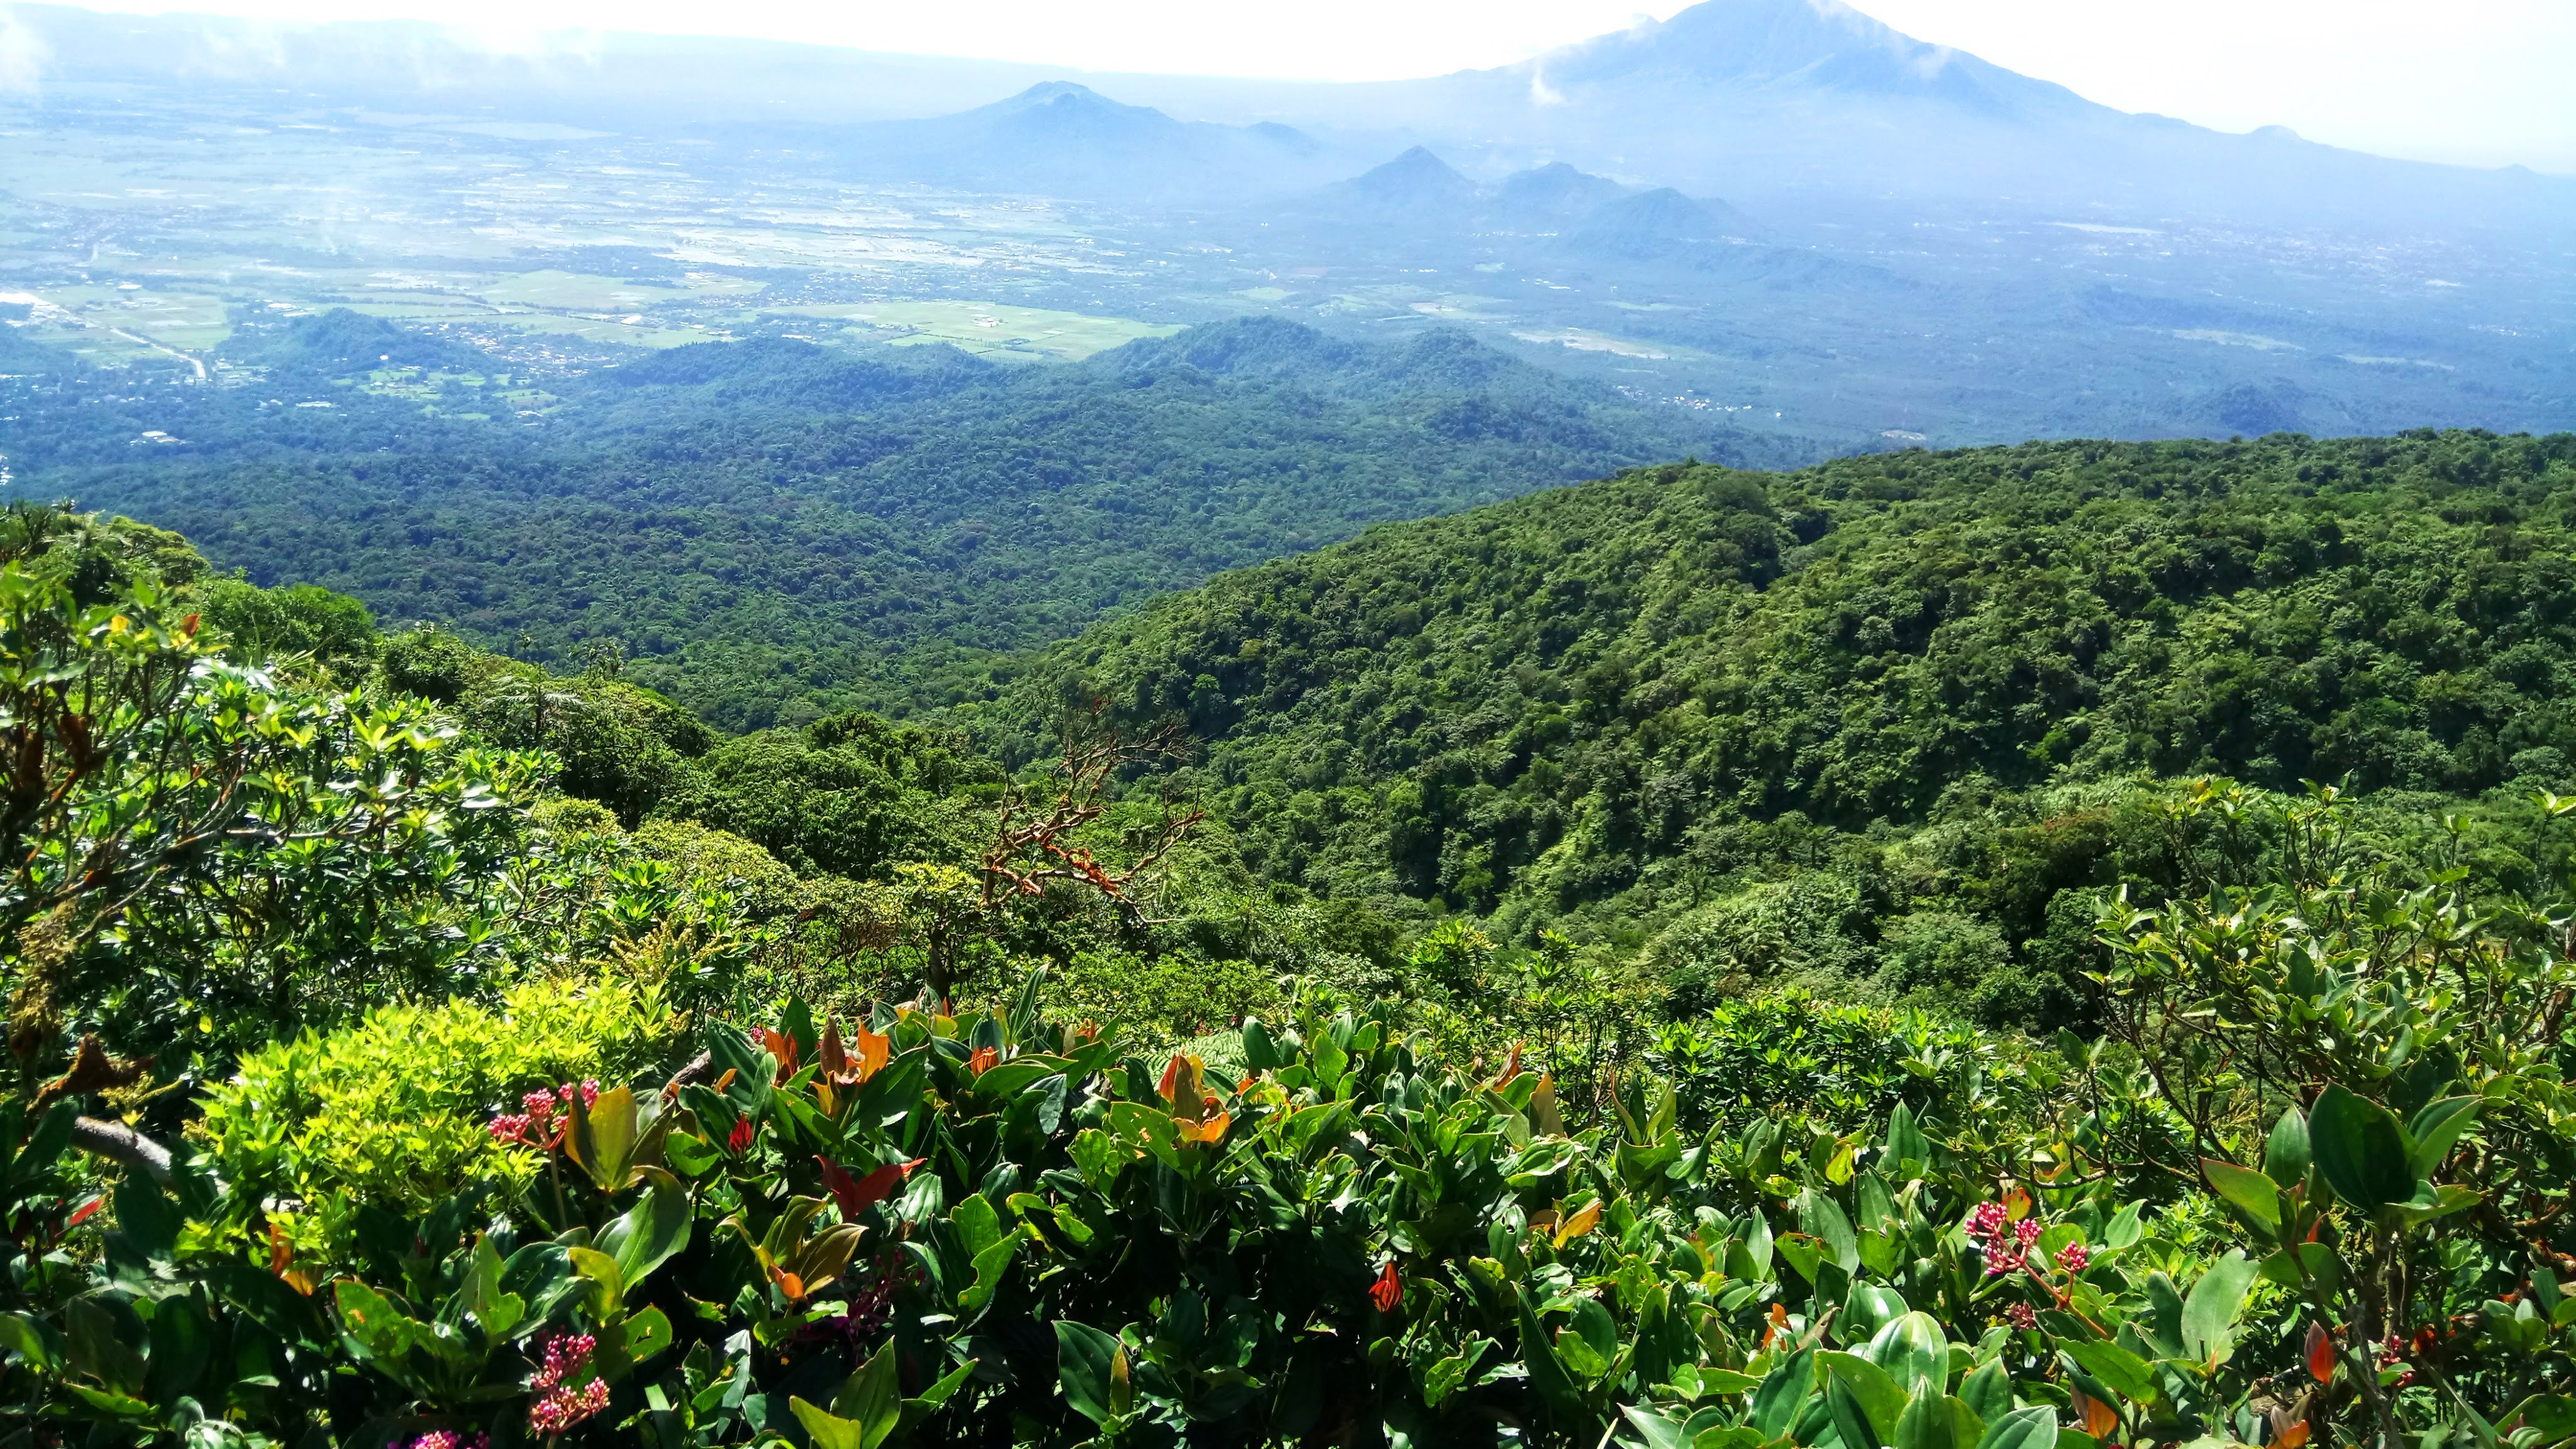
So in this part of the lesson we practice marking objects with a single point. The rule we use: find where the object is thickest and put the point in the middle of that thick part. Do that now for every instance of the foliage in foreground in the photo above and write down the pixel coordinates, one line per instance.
(2310, 1188)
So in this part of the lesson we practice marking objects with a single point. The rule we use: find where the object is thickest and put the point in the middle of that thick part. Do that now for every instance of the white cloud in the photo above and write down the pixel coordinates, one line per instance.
(22, 55)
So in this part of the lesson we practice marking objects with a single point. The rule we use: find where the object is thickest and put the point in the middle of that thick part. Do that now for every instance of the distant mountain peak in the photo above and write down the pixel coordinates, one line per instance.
(1553, 191)
(1416, 178)
(1807, 44)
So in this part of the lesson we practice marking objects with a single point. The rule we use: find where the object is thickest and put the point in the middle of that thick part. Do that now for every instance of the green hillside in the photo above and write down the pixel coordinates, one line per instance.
(1623, 701)
(776, 530)
(411, 1046)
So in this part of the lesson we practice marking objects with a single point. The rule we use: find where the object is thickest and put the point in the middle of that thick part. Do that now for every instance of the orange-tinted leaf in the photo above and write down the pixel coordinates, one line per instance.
(2293, 1437)
(1511, 1065)
(982, 1060)
(1208, 1129)
(84, 1212)
(1388, 1291)
(782, 1048)
(875, 1050)
(2017, 1203)
(2099, 1418)
(829, 1054)
(281, 1261)
(1779, 1325)
(2321, 1353)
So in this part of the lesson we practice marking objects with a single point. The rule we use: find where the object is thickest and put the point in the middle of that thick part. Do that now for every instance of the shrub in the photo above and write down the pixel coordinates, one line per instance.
(392, 1110)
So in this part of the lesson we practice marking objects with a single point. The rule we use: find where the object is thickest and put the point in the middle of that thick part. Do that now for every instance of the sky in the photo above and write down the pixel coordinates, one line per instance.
(2480, 82)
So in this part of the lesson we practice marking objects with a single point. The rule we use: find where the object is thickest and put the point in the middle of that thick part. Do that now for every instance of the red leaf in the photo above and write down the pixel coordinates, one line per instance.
(856, 1194)
(981, 1061)
(2321, 1354)
(85, 1211)
(738, 1141)
(1388, 1290)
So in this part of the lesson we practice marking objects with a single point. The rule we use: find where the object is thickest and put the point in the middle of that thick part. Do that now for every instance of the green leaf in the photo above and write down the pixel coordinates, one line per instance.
(2554, 1415)
(1260, 1050)
(1802, 1253)
(1989, 1391)
(649, 1232)
(1084, 1355)
(1850, 1416)
(1822, 1218)
(1880, 1397)
(828, 1431)
(2436, 1127)
(2361, 1149)
(2031, 1428)
(873, 1398)
(2209, 1311)
(990, 1265)
(978, 1225)
(1783, 1393)
(2125, 1227)
(2251, 1193)
(2285, 1152)
(25, 1337)
(2120, 1371)
(1657, 1430)
(1915, 1353)
(1925, 1424)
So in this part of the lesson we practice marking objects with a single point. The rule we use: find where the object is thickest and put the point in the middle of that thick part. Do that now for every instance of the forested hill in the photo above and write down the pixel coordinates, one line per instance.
(775, 529)
(1609, 696)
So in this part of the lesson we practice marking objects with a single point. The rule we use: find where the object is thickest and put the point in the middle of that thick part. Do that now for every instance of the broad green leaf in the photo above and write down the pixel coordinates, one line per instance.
(990, 1265)
(1915, 1353)
(2031, 1428)
(2251, 1193)
(1260, 1049)
(2120, 1371)
(1850, 1417)
(1989, 1391)
(978, 1225)
(1925, 1423)
(648, 1233)
(2125, 1227)
(873, 1397)
(1880, 1396)
(2285, 1153)
(607, 1280)
(1783, 1393)
(1658, 1430)
(2209, 1312)
(1084, 1356)
(828, 1431)
(1822, 1218)
(2361, 1149)
(2436, 1127)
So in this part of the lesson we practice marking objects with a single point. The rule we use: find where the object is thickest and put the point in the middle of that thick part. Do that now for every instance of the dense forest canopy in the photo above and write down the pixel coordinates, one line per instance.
(1830, 960)
(776, 530)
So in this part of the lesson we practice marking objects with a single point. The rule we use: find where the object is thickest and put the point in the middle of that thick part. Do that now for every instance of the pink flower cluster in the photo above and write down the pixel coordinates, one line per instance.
(535, 1124)
(442, 1439)
(2074, 1257)
(2005, 1243)
(560, 1404)
(2022, 1317)
(2392, 1353)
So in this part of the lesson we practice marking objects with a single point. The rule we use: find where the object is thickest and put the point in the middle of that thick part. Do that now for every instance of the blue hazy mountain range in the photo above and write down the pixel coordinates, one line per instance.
(1781, 211)
(1802, 100)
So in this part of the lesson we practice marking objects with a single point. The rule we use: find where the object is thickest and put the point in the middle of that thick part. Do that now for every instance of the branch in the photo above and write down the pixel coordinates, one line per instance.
(120, 1143)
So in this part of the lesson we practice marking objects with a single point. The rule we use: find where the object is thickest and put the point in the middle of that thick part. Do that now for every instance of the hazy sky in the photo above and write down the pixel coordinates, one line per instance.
(2478, 81)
